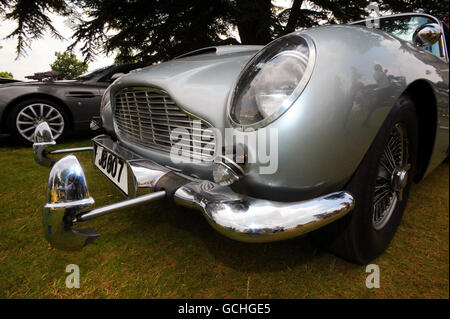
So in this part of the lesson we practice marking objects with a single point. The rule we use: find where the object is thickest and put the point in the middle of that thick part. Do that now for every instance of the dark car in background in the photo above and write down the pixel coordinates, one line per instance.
(5, 80)
(65, 105)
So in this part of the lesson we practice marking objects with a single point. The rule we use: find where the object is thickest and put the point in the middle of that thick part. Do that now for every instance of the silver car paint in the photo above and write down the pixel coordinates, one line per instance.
(326, 132)
(199, 84)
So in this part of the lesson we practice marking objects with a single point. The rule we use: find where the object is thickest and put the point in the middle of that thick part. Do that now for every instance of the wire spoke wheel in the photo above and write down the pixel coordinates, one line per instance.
(392, 176)
(34, 114)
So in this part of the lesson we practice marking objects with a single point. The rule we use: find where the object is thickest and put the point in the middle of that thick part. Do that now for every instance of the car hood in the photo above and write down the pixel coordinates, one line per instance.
(199, 81)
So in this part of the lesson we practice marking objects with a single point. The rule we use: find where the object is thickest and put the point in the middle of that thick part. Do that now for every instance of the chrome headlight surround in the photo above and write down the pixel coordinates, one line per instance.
(286, 46)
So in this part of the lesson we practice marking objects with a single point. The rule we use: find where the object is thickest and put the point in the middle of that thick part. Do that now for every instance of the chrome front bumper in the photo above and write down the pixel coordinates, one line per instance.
(234, 215)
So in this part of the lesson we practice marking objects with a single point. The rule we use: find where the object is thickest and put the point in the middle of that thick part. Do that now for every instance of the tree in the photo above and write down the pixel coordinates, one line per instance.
(254, 20)
(156, 30)
(125, 56)
(6, 75)
(33, 19)
(68, 66)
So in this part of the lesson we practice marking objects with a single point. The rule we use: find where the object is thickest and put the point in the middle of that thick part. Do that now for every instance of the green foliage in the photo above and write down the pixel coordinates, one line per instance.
(6, 75)
(33, 19)
(125, 55)
(157, 30)
(68, 66)
(154, 29)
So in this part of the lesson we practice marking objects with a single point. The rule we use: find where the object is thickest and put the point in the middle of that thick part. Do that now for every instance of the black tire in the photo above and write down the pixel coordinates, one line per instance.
(355, 237)
(18, 132)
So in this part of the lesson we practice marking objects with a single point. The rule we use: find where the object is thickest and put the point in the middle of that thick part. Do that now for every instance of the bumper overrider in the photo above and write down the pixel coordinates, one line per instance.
(234, 215)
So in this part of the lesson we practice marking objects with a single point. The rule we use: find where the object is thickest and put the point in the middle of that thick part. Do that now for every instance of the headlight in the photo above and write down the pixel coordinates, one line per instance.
(271, 81)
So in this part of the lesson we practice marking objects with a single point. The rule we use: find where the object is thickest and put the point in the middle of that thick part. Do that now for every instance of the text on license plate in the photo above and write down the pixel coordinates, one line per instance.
(112, 167)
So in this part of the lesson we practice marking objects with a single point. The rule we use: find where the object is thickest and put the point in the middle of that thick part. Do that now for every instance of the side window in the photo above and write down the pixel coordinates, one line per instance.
(435, 49)
(110, 77)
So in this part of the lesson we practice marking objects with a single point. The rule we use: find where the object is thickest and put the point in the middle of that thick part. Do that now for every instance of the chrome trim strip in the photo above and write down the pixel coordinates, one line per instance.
(397, 15)
(97, 212)
(72, 150)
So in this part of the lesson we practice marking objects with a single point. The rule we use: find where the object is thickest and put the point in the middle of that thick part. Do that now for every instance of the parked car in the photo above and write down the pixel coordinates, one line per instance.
(65, 105)
(5, 80)
(358, 114)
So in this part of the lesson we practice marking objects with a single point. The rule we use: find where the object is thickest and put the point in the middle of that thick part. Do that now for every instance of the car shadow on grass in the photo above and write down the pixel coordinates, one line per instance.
(243, 257)
(7, 141)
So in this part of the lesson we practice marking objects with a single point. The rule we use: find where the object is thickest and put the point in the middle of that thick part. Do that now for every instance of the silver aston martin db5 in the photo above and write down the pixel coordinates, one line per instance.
(322, 130)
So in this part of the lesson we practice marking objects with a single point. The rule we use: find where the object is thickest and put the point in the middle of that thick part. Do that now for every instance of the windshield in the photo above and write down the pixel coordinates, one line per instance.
(91, 74)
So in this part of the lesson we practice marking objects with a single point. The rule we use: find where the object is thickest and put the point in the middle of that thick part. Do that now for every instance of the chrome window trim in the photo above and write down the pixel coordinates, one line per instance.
(295, 94)
(444, 42)
(398, 15)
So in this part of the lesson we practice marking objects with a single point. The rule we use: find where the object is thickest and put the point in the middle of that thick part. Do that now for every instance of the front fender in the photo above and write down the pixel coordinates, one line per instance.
(358, 76)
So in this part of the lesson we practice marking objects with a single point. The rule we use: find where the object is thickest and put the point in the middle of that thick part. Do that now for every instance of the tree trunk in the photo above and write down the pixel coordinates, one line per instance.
(254, 21)
(293, 16)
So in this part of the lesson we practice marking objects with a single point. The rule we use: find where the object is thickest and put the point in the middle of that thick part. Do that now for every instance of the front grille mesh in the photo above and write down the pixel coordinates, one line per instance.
(147, 117)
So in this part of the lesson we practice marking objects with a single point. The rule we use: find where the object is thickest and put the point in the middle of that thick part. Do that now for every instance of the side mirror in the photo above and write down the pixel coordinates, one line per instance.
(115, 76)
(426, 35)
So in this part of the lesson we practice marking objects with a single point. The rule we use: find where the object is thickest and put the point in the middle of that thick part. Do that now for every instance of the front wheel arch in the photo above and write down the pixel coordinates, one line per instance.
(422, 94)
(353, 237)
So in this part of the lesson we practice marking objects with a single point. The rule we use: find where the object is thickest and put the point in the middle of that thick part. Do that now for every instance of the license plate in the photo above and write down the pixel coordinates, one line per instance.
(113, 167)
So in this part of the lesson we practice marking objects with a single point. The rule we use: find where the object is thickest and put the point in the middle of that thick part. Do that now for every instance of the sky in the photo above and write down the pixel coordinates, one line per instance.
(42, 51)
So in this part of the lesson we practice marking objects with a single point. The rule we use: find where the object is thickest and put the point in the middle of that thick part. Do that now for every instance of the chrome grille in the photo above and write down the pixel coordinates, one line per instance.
(148, 116)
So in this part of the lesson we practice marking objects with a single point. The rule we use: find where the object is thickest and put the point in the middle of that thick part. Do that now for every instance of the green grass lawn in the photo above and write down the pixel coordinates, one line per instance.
(160, 250)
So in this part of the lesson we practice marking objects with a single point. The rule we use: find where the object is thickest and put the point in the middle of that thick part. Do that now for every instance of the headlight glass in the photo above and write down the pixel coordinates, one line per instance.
(272, 81)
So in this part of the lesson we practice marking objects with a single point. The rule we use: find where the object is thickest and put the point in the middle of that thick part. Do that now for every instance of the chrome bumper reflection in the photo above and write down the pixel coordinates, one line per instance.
(43, 139)
(234, 215)
(67, 194)
(250, 219)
